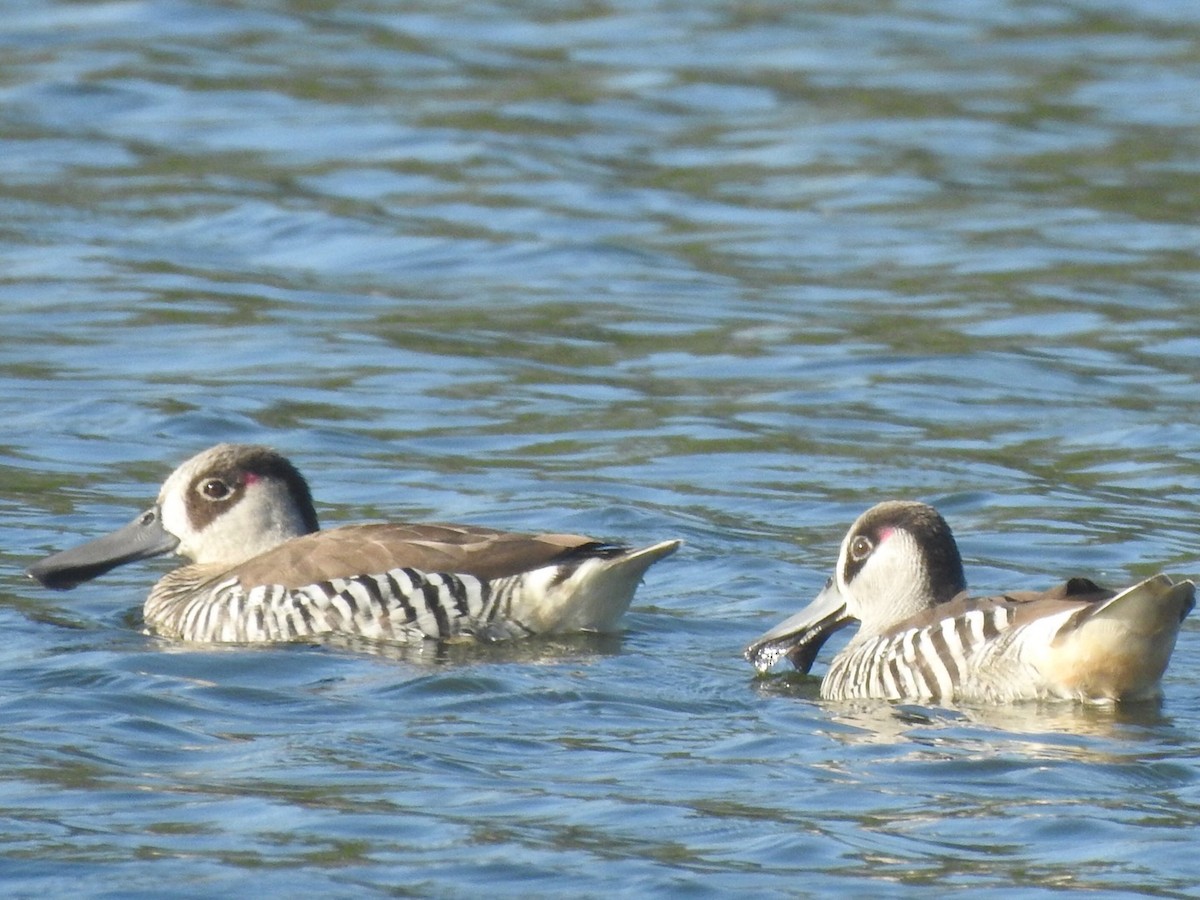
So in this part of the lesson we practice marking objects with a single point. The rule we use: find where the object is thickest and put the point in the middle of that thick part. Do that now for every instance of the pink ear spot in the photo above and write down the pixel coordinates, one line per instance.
(885, 533)
(250, 479)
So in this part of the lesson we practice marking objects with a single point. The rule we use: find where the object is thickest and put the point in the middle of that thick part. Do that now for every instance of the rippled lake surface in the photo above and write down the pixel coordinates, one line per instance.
(723, 272)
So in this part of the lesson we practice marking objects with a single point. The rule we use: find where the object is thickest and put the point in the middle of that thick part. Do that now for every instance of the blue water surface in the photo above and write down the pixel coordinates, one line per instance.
(727, 272)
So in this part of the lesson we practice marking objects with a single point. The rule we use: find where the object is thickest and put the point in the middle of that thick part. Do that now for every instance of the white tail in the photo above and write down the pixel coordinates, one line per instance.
(593, 597)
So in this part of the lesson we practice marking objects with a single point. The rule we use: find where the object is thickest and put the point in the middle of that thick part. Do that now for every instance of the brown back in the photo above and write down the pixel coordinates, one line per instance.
(1077, 592)
(373, 549)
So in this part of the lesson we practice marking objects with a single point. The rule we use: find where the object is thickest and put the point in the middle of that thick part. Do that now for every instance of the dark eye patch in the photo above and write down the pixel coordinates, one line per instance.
(211, 496)
(857, 553)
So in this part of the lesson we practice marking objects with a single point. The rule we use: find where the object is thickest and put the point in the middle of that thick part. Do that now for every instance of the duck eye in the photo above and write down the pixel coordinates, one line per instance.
(215, 489)
(860, 548)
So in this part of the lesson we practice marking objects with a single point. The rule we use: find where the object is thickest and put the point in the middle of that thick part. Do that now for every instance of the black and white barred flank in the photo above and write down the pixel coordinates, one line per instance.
(929, 663)
(399, 605)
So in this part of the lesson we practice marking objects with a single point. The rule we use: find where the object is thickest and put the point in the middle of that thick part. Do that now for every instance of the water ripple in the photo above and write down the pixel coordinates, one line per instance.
(728, 273)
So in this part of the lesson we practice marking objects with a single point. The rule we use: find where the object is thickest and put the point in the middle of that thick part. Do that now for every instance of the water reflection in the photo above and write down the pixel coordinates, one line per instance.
(1043, 728)
(1038, 728)
(535, 650)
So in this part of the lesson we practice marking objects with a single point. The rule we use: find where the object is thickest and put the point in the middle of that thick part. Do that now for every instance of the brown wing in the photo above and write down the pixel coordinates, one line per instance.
(1075, 592)
(1075, 589)
(1072, 592)
(372, 549)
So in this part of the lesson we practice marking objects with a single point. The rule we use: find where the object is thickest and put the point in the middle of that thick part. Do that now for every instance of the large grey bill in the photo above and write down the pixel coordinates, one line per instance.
(141, 538)
(800, 637)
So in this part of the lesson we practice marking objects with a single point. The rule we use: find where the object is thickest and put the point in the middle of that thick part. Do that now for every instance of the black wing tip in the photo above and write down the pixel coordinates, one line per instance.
(1079, 585)
(592, 550)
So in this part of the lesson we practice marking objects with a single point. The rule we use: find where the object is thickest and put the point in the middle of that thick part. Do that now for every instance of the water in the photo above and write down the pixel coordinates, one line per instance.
(725, 272)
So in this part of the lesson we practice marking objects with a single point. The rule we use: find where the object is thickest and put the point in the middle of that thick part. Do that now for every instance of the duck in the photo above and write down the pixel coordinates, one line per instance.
(260, 569)
(922, 637)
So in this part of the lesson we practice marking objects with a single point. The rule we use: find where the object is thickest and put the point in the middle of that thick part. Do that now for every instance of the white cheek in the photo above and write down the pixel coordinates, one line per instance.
(890, 586)
(174, 518)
